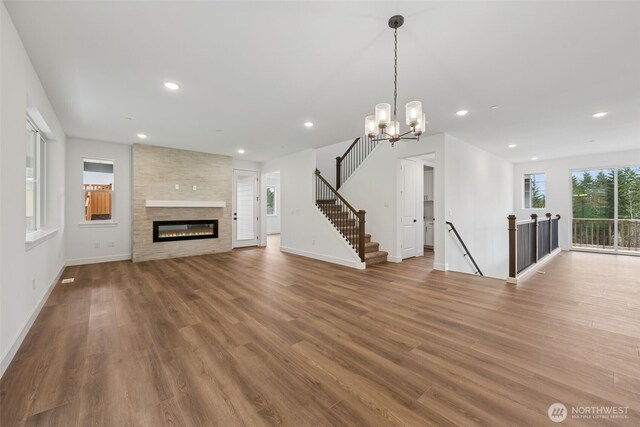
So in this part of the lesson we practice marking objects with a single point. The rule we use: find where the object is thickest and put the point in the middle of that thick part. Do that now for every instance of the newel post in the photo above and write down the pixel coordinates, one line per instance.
(534, 240)
(361, 243)
(338, 177)
(512, 246)
(548, 215)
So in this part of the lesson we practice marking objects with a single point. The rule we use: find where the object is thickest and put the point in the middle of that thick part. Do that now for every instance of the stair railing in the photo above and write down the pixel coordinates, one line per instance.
(345, 218)
(530, 241)
(466, 250)
(352, 158)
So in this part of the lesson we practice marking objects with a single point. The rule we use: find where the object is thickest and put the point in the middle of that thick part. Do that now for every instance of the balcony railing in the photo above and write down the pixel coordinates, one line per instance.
(599, 233)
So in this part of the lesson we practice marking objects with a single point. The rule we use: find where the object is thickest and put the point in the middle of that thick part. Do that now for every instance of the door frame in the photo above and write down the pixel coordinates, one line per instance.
(418, 214)
(256, 209)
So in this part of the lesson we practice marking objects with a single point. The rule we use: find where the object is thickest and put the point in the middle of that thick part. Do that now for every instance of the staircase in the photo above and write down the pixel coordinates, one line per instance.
(351, 160)
(348, 221)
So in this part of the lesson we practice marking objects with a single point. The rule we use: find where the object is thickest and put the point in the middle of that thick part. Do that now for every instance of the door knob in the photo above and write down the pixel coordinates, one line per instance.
(415, 220)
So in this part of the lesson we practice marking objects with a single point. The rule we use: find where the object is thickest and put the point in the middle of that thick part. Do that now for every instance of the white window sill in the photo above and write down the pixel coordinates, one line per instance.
(98, 224)
(272, 214)
(35, 238)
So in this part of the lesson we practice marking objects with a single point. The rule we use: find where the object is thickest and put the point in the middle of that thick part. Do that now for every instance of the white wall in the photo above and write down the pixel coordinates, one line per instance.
(558, 184)
(27, 274)
(304, 229)
(273, 221)
(82, 237)
(477, 201)
(326, 159)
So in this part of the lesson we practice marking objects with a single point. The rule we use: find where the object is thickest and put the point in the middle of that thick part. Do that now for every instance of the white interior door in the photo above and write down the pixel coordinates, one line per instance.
(408, 220)
(245, 208)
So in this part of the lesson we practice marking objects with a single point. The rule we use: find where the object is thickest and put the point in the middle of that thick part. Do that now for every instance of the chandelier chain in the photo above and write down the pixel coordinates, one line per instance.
(395, 72)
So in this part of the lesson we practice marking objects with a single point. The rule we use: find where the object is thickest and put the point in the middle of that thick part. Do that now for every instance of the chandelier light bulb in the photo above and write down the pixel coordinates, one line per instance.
(413, 112)
(394, 130)
(383, 115)
(421, 126)
(370, 126)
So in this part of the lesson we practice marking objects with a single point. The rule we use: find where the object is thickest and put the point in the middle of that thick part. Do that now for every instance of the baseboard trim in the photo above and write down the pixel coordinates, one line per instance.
(533, 268)
(99, 259)
(440, 267)
(327, 258)
(17, 341)
(395, 259)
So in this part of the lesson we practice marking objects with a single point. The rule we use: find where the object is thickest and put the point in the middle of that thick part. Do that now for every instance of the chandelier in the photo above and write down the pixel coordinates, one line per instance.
(382, 126)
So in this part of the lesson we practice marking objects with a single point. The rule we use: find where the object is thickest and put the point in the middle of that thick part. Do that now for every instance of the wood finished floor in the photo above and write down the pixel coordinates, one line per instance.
(256, 337)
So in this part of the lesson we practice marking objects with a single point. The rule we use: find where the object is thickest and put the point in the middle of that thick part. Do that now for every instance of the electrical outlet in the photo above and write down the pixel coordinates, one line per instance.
(195, 187)
(177, 187)
(69, 280)
(97, 245)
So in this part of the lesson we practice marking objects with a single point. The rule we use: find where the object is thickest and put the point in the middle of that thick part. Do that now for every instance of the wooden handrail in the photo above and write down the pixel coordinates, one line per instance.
(335, 192)
(329, 195)
(352, 158)
(355, 141)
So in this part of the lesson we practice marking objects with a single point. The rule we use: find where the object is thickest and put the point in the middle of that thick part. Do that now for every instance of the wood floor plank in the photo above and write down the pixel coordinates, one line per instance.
(256, 337)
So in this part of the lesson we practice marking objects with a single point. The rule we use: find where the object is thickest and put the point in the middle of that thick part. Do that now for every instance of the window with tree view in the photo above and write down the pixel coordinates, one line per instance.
(606, 209)
(271, 200)
(534, 191)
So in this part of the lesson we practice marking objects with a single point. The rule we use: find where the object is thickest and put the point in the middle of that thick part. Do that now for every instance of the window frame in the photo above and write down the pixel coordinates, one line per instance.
(39, 179)
(275, 201)
(525, 177)
(112, 192)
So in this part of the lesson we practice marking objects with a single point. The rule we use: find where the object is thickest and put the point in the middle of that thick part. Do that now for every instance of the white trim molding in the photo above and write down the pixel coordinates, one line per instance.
(327, 258)
(533, 268)
(17, 341)
(99, 259)
(185, 203)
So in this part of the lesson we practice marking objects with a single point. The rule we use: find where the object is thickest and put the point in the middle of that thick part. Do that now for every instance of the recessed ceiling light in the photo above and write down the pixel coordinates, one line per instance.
(308, 124)
(534, 158)
(494, 107)
(171, 86)
(462, 113)
(512, 145)
(142, 136)
(241, 151)
(600, 114)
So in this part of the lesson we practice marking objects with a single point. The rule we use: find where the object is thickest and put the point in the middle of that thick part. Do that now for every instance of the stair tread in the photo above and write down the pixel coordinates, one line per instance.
(375, 254)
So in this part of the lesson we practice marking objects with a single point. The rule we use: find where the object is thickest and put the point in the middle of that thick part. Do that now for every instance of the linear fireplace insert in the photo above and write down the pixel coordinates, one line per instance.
(166, 231)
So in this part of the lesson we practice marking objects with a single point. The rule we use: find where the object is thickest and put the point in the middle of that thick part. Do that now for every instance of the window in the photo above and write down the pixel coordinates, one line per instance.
(35, 179)
(97, 186)
(271, 201)
(606, 209)
(534, 191)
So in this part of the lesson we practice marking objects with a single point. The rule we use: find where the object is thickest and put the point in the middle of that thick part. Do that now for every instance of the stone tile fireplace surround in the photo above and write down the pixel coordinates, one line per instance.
(157, 171)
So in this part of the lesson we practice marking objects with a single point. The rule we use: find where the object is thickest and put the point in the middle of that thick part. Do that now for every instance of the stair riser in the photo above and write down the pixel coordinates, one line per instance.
(372, 247)
(377, 260)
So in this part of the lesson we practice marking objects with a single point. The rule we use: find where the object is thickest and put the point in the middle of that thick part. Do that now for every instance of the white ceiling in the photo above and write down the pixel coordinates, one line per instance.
(252, 72)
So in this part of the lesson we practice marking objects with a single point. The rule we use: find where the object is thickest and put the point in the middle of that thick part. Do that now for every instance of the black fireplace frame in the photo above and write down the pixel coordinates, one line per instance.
(157, 224)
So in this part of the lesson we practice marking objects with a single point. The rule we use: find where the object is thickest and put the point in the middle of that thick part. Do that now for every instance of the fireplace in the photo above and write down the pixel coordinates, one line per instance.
(167, 231)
